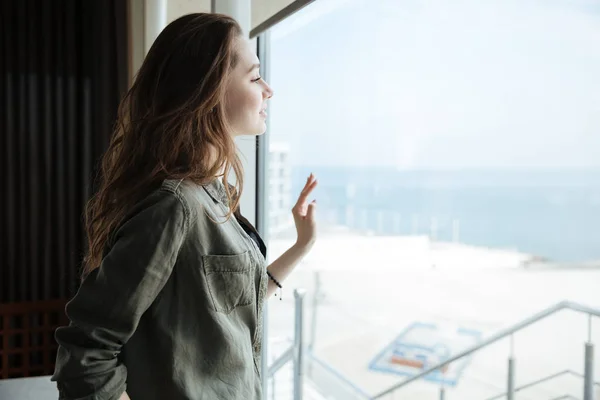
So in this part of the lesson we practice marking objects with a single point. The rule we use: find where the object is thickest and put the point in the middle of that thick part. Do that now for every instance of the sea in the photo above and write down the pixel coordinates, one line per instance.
(551, 213)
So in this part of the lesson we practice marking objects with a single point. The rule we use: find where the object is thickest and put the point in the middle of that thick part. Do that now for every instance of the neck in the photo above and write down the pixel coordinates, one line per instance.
(221, 171)
(220, 175)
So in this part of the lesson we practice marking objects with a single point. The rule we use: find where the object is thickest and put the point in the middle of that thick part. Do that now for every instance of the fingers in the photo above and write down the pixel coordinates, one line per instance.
(311, 178)
(310, 214)
(311, 184)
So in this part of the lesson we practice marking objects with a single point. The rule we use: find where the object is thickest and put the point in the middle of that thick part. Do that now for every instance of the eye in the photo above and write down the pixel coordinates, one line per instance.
(257, 79)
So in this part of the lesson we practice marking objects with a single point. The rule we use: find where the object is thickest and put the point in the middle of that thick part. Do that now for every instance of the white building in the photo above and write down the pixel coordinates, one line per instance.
(280, 189)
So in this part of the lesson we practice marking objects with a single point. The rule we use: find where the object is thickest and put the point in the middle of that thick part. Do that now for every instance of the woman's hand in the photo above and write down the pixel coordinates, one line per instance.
(304, 216)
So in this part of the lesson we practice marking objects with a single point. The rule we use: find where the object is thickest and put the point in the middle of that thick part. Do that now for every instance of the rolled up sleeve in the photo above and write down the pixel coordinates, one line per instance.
(108, 306)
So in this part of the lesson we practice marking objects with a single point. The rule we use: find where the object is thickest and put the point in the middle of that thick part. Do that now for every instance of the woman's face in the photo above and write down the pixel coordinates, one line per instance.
(246, 94)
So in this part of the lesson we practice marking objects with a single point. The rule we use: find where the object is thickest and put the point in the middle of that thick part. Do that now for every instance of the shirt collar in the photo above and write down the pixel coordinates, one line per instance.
(216, 190)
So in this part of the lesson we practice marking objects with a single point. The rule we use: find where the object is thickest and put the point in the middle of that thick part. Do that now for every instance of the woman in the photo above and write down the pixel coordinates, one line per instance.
(174, 281)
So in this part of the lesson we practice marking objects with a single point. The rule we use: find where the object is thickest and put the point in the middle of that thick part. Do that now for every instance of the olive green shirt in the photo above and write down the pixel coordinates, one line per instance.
(174, 311)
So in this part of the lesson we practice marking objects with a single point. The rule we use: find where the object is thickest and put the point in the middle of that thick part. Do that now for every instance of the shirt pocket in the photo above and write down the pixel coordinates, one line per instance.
(229, 279)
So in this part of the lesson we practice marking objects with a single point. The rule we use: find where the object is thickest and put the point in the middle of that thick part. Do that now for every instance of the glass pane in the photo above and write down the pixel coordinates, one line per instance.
(456, 146)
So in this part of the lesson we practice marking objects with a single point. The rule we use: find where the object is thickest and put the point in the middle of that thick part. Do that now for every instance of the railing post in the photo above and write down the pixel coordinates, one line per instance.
(588, 380)
(298, 344)
(588, 375)
(263, 353)
(273, 383)
(313, 324)
(510, 389)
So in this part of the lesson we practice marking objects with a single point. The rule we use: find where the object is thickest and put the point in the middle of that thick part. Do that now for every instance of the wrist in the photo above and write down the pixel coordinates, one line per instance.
(303, 248)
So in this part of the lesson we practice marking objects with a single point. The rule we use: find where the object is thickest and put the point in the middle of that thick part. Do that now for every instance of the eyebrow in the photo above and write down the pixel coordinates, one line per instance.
(254, 66)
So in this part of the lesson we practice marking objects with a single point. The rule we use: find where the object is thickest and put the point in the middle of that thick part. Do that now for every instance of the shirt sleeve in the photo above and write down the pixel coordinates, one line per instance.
(108, 306)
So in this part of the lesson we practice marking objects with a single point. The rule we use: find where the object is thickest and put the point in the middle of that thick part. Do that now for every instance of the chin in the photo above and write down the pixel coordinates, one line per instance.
(260, 130)
(256, 130)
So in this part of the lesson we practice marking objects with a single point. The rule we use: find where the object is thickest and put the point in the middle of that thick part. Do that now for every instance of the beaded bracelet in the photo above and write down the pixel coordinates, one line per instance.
(276, 283)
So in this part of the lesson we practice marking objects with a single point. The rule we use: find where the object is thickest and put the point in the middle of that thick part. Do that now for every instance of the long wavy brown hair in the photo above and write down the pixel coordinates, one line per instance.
(171, 125)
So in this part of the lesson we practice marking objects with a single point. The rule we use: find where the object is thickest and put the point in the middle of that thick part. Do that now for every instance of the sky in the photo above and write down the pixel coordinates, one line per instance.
(422, 84)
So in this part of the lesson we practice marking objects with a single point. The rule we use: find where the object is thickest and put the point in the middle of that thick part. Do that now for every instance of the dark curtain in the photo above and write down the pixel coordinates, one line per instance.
(63, 69)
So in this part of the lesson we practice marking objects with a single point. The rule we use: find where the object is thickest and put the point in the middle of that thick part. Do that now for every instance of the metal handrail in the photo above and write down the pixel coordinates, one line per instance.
(339, 376)
(542, 380)
(281, 361)
(500, 335)
(295, 353)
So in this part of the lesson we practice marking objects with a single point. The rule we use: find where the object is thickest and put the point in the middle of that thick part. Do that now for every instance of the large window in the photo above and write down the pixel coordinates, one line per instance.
(457, 148)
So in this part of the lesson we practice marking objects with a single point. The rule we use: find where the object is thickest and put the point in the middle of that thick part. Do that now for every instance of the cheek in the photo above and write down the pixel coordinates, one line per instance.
(243, 106)
(253, 100)
(244, 101)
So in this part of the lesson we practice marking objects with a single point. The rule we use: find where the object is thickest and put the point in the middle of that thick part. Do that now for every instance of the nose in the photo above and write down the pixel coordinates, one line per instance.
(268, 92)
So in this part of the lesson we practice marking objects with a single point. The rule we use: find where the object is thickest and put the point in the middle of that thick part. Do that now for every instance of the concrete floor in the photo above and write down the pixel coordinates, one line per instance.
(368, 298)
